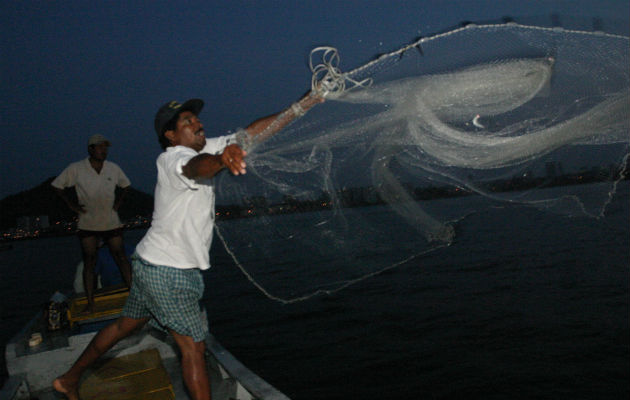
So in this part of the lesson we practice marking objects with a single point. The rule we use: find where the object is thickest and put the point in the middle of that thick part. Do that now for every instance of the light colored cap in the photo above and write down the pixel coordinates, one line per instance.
(96, 139)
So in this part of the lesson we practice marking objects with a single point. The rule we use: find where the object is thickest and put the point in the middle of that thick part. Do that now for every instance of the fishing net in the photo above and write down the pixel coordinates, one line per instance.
(410, 144)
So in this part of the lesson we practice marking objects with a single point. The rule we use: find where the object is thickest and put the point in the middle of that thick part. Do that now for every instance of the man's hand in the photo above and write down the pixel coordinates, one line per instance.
(232, 159)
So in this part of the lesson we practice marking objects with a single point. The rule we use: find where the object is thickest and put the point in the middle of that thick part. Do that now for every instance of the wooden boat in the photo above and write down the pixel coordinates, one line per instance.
(143, 366)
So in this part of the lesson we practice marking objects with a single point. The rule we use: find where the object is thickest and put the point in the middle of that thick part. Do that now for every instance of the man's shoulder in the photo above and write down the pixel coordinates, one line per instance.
(177, 152)
(76, 165)
(111, 166)
(112, 170)
(81, 163)
(68, 176)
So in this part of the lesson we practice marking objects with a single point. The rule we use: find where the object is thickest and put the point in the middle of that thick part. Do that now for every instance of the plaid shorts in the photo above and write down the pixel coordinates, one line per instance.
(169, 296)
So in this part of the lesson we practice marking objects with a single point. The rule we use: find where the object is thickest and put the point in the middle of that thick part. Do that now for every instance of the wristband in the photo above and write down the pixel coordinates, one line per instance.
(297, 109)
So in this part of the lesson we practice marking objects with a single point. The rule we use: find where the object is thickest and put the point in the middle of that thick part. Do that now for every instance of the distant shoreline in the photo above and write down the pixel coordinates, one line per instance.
(5, 243)
(355, 197)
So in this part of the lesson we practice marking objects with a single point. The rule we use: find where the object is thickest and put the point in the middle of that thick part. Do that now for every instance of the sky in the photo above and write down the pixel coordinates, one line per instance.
(70, 69)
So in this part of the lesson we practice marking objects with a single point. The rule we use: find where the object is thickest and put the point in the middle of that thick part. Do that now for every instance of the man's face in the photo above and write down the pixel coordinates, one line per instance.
(98, 151)
(188, 132)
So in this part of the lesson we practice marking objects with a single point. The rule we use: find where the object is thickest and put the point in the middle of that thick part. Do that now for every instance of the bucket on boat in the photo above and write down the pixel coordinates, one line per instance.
(56, 315)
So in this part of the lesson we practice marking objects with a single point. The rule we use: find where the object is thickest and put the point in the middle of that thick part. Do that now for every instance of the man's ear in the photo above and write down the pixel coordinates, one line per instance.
(170, 135)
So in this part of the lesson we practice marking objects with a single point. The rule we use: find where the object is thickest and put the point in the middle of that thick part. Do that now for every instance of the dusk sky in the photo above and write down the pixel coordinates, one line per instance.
(71, 69)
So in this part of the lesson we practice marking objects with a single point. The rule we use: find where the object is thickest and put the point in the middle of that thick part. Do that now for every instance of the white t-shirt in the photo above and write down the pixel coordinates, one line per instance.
(96, 192)
(183, 217)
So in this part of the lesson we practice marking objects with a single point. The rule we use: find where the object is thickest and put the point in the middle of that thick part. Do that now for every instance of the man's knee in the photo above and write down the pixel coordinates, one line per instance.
(119, 256)
(195, 347)
(188, 346)
(126, 325)
(115, 243)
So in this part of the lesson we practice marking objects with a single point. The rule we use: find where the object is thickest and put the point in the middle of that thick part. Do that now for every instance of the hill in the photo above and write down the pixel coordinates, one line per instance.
(42, 200)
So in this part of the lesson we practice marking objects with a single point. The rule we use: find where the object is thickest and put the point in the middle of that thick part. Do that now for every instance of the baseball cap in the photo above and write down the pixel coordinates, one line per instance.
(96, 139)
(171, 109)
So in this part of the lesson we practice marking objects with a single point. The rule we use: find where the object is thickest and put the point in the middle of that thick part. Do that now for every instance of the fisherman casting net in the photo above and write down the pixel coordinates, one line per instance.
(409, 145)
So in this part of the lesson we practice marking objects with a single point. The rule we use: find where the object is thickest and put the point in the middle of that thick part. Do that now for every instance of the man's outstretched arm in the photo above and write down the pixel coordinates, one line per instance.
(278, 121)
(208, 165)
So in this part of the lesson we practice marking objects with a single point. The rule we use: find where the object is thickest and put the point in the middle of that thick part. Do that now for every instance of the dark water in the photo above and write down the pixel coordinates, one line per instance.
(524, 305)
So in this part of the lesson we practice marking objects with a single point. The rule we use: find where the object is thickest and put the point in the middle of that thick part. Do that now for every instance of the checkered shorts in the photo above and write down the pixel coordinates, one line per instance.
(169, 296)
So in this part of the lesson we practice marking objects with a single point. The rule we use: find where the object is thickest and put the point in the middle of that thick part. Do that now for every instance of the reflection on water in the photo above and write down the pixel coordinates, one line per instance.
(524, 305)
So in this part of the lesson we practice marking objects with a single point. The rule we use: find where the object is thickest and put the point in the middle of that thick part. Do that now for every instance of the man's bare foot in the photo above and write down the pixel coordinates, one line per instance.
(67, 387)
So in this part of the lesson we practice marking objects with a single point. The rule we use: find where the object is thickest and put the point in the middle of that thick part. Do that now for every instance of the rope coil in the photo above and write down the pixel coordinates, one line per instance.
(328, 81)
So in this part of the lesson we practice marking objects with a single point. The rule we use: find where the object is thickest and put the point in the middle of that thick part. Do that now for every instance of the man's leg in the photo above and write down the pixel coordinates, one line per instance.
(194, 366)
(68, 383)
(89, 247)
(117, 250)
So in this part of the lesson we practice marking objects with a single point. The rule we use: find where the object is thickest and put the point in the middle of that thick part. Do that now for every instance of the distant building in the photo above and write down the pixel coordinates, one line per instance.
(32, 224)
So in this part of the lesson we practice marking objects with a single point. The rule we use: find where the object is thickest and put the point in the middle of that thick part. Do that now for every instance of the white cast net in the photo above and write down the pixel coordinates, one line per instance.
(410, 144)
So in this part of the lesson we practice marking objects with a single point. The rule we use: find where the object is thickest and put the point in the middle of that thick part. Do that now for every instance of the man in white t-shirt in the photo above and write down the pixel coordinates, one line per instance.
(167, 283)
(95, 181)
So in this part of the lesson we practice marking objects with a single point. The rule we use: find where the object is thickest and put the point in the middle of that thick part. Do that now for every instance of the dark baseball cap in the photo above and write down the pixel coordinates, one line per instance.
(173, 108)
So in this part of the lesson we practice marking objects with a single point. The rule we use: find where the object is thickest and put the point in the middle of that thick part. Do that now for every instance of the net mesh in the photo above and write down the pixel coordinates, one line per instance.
(386, 169)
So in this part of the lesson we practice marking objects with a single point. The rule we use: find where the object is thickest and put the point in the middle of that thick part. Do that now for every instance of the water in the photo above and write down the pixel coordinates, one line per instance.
(523, 305)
